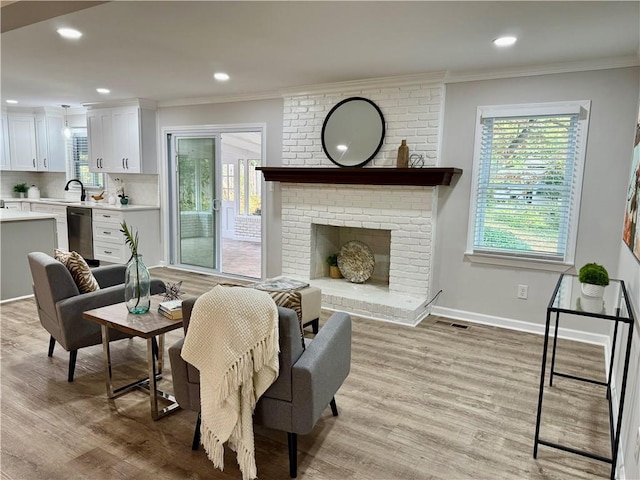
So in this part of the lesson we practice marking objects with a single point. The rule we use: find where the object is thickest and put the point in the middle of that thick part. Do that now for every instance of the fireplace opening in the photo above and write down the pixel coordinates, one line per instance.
(328, 239)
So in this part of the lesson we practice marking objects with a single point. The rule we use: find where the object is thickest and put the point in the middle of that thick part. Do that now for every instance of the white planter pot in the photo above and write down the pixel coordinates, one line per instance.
(591, 304)
(589, 290)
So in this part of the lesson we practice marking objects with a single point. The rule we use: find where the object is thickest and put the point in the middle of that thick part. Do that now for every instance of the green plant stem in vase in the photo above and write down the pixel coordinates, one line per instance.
(137, 279)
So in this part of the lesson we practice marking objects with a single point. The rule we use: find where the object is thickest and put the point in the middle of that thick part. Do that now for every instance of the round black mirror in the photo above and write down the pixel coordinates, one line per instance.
(353, 132)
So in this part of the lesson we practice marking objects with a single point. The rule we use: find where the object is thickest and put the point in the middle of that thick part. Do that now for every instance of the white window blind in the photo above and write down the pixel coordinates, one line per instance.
(78, 151)
(528, 172)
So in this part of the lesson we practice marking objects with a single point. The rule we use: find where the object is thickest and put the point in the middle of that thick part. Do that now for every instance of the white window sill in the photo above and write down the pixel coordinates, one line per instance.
(515, 262)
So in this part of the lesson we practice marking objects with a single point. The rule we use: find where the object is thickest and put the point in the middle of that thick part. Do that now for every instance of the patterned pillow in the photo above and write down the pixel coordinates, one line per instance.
(80, 271)
(293, 300)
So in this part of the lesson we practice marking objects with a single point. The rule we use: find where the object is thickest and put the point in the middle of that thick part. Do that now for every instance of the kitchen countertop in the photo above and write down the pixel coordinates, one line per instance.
(88, 204)
(17, 215)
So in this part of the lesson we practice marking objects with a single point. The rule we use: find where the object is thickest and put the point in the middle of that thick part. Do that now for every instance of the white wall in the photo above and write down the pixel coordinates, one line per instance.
(269, 112)
(629, 271)
(491, 290)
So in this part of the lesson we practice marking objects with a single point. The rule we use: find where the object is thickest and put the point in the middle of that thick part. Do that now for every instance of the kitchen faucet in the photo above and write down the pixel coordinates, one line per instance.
(83, 194)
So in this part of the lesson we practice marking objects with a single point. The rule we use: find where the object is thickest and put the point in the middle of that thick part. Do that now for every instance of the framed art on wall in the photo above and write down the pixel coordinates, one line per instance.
(631, 233)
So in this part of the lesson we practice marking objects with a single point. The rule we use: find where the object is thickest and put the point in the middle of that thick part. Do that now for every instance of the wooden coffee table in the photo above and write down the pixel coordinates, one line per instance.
(148, 325)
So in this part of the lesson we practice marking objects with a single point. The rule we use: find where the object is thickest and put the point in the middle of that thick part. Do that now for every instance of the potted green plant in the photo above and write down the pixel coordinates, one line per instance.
(593, 278)
(334, 271)
(20, 189)
(137, 281)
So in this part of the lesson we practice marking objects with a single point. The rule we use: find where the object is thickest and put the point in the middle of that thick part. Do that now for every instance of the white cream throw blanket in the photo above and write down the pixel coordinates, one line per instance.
(233, 341)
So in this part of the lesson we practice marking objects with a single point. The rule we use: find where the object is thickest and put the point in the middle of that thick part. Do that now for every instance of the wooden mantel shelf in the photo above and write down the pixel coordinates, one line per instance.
(426, 177)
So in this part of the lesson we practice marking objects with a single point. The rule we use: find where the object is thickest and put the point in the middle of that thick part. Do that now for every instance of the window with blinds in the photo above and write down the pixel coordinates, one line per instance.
(78, 151)
(527, 177)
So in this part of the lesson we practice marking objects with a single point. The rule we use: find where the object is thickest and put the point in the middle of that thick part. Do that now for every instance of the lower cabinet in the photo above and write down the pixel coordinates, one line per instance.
(61, 222)
(109, 243)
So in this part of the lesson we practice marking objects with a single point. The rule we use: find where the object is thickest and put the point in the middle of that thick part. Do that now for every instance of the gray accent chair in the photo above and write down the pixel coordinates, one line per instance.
(307, 382)
(60, 304)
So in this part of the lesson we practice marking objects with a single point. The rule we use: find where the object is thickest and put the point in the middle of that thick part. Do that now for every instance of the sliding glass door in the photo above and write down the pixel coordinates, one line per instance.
(215, 196)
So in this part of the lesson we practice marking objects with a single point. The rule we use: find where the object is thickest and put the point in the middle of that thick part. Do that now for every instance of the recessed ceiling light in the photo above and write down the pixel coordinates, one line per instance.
(12, 101)
(505, 41)
(221, 76)
(104, 91)
(69, 33)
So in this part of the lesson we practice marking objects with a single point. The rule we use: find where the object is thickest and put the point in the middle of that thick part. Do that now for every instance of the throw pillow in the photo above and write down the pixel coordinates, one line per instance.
(290, 299)
(79, 269)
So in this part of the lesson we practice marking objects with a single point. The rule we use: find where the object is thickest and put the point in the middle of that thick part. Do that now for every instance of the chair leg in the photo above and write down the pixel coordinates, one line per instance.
(292, 441)
(334, 407)
(196, 434)
(52, 343)
(73, 354)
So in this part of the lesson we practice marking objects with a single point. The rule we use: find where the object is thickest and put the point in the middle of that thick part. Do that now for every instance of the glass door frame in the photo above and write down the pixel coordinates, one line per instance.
(168, 178)
(173, 203)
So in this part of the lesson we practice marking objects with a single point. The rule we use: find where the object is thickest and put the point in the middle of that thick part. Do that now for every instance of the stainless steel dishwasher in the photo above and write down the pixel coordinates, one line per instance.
(80, 229)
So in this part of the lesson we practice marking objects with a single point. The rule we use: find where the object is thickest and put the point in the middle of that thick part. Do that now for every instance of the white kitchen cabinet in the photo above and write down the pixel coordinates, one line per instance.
(61, 222)
(122, 140)
(50, 143)
(100, 140)
(22, 142)
(36, 142)
(5, 160)
(109, 243)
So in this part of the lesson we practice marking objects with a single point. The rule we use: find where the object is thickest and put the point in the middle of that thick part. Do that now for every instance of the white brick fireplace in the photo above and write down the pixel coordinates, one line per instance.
(404, 212)
(397, 221)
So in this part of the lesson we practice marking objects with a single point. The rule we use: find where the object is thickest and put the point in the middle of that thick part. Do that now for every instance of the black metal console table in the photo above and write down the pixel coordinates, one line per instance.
(617, 308)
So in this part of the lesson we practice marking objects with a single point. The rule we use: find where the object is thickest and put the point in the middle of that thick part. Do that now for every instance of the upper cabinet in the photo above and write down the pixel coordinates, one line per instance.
(50, 142)
(5, 163)
(22, 142)
(122, 139)
(36, 142)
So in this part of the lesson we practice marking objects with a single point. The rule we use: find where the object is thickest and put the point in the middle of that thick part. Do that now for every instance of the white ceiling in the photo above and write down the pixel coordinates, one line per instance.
(168, 50)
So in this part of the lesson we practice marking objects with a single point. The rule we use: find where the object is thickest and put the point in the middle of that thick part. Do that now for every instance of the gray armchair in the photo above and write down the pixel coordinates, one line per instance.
(60, 304)
(307, 382)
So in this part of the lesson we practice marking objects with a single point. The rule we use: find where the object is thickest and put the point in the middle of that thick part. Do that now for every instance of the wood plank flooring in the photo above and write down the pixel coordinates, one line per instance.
(431, 402)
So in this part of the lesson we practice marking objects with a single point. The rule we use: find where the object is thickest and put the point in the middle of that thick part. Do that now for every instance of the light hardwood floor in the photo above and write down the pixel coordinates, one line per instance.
(431, 402)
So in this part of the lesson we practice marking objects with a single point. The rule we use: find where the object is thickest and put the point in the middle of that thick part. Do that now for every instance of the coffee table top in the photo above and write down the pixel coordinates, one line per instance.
(146, 325)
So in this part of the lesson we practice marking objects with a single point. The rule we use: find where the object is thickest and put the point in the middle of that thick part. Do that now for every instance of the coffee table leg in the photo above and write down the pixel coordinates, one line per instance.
(153, 389)
(160, 353)
(107, 359)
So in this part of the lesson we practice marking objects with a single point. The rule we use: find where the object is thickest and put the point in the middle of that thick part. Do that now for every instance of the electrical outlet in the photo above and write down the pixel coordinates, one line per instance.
(523, 291)
(636, 453)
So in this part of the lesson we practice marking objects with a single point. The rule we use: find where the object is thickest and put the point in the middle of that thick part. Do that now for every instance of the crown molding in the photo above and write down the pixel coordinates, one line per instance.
(543, 69)
(130, 102)
(436, 77)
(181, 102)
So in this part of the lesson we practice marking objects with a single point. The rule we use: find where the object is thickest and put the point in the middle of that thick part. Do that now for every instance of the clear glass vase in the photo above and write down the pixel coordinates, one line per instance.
(137, 294)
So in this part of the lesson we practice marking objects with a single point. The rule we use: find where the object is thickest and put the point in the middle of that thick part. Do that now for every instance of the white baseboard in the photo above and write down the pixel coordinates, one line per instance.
(521, 326)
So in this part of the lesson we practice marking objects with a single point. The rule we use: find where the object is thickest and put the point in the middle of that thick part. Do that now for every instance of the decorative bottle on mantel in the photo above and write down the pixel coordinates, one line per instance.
(403, 155)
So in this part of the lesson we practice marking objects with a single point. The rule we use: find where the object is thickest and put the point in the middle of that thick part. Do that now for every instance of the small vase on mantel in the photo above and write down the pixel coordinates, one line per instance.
(403, 155)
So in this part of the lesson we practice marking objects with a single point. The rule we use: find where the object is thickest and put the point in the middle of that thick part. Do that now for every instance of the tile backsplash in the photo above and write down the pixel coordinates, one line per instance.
(141, 189)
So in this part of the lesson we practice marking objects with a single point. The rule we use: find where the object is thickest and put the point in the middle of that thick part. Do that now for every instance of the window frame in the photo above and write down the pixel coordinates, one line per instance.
(71, 173)
(514, 259)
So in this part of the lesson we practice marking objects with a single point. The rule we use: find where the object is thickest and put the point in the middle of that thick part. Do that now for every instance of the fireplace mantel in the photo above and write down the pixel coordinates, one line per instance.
(428, 176)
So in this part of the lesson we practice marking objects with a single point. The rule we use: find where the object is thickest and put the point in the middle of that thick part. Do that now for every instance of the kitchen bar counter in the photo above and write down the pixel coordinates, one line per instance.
(21, 233)
(19, 215)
